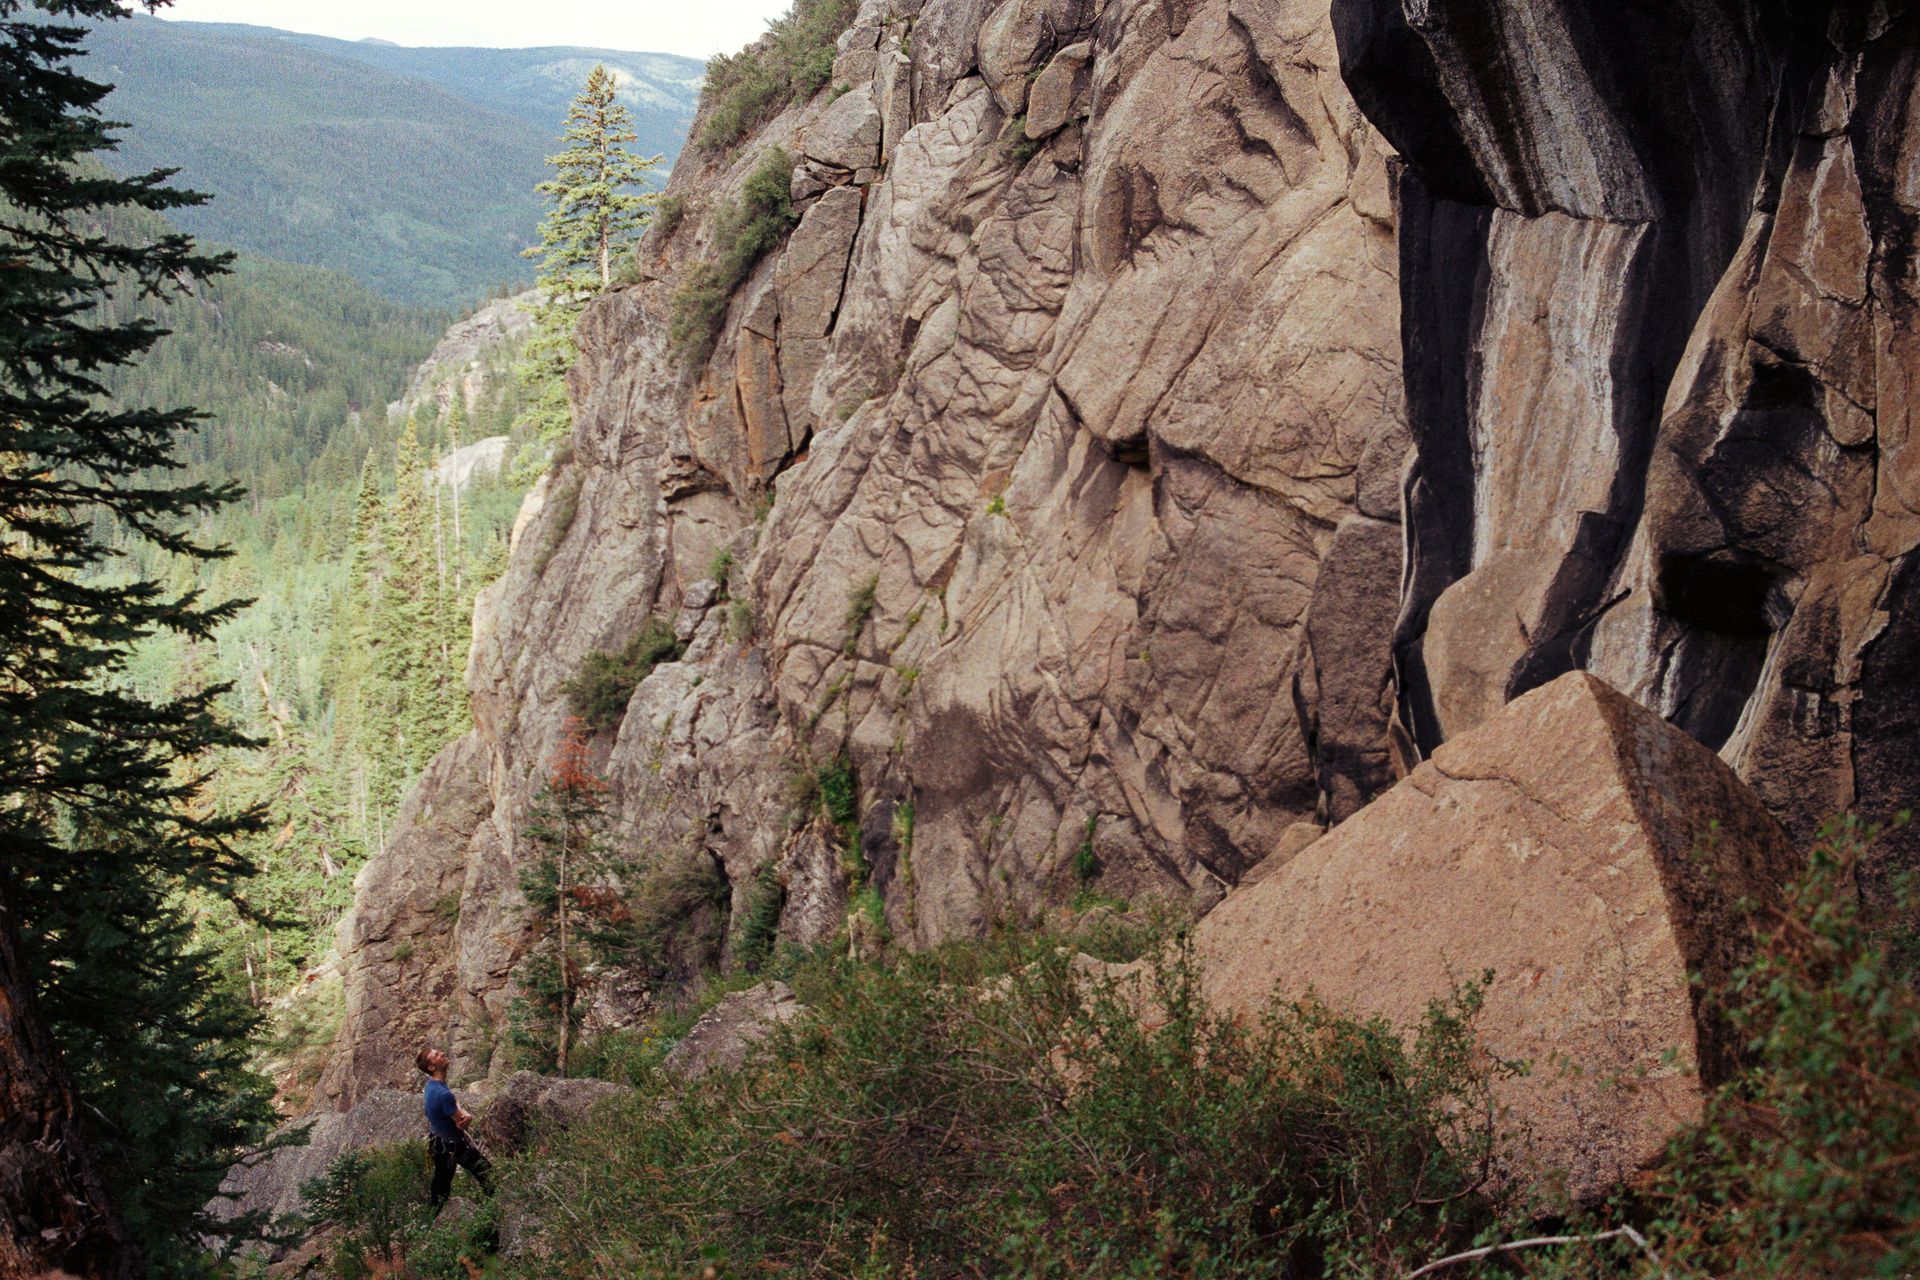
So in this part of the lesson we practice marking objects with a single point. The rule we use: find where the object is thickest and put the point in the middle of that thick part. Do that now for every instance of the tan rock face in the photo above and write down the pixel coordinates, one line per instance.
(1568, 844)
(1088, 411)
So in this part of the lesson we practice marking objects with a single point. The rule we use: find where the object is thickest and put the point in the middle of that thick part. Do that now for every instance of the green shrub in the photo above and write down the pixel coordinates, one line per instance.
(1019, 147)
(860, 603)
(668, 214)
(1086, 863)
(455, 1247)
(1806, 1164)
(903, 827)
(744, 231)
(374, 1199)
(740, 622)
(791, 64)
(759, 925)
(721, 571)
(605, 682)
(625, 1055)
(918, 1122)
(840, 801)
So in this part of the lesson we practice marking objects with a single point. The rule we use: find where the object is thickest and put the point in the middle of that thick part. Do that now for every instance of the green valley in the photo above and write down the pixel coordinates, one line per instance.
(410, 169)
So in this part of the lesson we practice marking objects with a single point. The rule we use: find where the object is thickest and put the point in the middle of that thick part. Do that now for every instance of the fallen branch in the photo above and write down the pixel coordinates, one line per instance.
(1474, 1255)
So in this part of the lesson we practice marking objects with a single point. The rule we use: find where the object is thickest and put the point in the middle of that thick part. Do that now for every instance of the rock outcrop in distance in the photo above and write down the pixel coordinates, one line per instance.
(1170, 423)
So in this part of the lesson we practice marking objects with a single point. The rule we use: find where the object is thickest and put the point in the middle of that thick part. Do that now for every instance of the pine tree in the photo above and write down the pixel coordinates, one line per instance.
(102, 814)
(358, 674)
(598, 208)
(456, 419)
(576, 905)
(595, 207)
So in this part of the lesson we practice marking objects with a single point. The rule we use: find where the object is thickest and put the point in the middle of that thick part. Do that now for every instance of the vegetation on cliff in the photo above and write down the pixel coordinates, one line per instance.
(791, 63)
(745, 230)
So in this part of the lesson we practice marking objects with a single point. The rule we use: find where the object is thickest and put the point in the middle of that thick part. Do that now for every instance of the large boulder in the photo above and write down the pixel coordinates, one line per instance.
(720, 1040)
(272, 1185)
(1587, 852)
(529, 1105)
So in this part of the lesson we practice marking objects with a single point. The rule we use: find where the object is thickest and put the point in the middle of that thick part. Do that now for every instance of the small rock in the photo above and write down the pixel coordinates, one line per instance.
(1059, 91)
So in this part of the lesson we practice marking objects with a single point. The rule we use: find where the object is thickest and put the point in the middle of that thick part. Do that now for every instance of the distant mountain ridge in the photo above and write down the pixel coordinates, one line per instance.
(409, 169)
(536, 85)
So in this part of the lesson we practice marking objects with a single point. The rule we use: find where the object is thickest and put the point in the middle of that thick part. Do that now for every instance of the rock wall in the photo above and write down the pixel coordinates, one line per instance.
(1659, 300)
(1111, 335)
(1084, 358)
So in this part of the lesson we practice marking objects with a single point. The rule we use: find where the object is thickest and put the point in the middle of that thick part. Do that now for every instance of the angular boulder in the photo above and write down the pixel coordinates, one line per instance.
(1587, 852)
(720, 1040)
(529, 1105)
(272, 1185)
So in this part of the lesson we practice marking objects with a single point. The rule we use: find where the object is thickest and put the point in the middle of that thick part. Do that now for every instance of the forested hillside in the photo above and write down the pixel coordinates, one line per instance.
(346, 665)
(534, 85)
(412, 170)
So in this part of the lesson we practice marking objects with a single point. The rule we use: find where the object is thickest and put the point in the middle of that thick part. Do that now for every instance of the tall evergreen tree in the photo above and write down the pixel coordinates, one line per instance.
(599, 207)
(100, 810)
(577, 908)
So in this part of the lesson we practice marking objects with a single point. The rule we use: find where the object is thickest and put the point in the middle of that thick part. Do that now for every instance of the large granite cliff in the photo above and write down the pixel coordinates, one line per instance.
(1222, 404)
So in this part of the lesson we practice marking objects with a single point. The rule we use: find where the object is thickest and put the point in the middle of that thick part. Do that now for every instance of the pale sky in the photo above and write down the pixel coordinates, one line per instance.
(697, 28)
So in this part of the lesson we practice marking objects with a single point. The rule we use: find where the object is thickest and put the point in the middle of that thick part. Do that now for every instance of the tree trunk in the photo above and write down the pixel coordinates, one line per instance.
(53, 1205)
(566, 954)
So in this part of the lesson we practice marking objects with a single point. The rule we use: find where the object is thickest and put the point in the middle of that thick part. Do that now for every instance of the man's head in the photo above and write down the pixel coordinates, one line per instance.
(431, 1060)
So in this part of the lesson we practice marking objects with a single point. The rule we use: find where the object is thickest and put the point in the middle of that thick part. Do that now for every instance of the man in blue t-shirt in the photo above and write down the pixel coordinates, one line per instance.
(447, 1122)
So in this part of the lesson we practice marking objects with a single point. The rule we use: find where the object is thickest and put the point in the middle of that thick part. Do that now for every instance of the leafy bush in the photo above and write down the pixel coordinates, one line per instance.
(1808, 1163)
(1086, 862)
(455, 1246)
(741, 623)
(374, 1199)
(838, 789)
(744, 231)
(918, 1122)
(600, 690)
(792, 63)
(668, 213)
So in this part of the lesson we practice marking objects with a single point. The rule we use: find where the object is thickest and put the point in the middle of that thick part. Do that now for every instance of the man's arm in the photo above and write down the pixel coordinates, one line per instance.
(461, 1116)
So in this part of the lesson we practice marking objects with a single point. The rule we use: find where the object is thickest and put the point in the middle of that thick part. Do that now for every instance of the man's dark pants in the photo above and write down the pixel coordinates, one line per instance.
(448, 1152)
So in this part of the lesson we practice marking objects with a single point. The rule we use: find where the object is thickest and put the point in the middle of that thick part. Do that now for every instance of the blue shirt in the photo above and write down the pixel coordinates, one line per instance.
(440, 1109)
